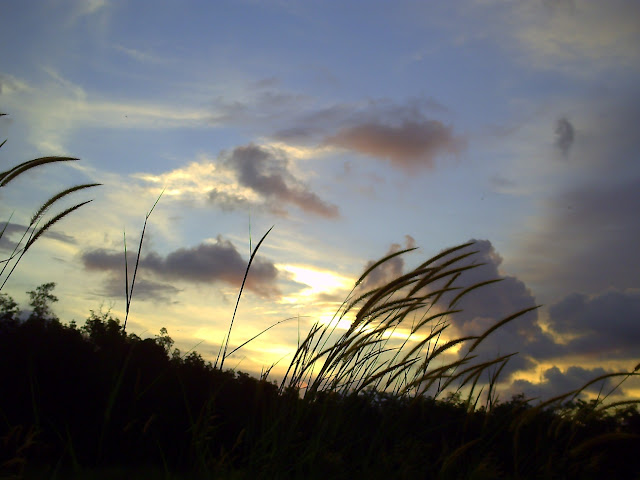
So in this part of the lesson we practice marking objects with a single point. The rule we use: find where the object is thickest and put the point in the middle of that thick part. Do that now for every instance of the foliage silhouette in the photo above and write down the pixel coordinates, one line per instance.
(93, 397)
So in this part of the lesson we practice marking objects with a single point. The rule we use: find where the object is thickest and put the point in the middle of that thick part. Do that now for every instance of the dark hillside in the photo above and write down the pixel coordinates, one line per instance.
(91, 397)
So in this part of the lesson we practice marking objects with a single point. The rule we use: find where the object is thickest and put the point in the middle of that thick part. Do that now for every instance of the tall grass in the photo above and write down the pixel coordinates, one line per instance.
(416, 306)
(38, 225)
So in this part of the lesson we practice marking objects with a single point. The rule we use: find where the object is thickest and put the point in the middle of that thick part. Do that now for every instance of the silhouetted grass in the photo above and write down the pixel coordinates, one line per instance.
(94, 401)
(85, 399)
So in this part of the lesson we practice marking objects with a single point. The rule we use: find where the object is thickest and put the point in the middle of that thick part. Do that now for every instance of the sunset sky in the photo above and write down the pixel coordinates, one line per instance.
(355, 129)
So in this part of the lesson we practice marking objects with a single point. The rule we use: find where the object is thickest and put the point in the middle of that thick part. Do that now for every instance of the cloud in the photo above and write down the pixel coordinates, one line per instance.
(408, 146)
(266, 171)
(400, 132)
(565, 133)
(484, 307)
(252, 175)
(568, 34)
(390, 269)
(589, 222)
(59, 107)
(589, 240)
(204, 263)
(604, 325)
(556, 382)
(13, 232)
(265, 106)
(146, 290)
(226, 201)
(10, 85)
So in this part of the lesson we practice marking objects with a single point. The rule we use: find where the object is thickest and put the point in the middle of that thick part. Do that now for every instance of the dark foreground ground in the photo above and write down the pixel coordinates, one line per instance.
(91, 402)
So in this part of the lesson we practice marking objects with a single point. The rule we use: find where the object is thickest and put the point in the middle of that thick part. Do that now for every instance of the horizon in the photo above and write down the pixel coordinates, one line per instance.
(355, 130)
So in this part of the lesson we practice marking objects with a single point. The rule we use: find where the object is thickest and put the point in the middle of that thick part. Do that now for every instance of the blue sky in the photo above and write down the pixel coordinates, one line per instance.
(355, 128)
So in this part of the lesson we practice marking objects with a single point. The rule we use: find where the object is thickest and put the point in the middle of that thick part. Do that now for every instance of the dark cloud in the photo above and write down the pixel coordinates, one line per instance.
(144, 289)
(267, 173)
(601, 325)
(227, 202)
(586, 237)
(14, 232)
(565, 134)
(409, 145)
(555, 382)
(390, 269)
(484, 307)
(590, 241)
(204, 263)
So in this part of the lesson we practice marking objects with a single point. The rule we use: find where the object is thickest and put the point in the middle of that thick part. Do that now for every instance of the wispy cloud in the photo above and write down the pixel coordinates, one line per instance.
(60, 107)
(403, 133)
(567, 35)
(13, 232)
(139, 55)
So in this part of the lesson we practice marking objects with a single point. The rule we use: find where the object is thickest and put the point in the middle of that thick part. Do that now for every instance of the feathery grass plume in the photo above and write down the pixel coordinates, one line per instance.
(366, 355)
(33, 232)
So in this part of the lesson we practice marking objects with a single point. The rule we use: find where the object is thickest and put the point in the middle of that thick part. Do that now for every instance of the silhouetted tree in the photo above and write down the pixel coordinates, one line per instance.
(9, 310)
(40, 301)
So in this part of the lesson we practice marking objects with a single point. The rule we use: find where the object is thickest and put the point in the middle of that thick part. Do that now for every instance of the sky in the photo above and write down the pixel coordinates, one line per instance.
(355, 129)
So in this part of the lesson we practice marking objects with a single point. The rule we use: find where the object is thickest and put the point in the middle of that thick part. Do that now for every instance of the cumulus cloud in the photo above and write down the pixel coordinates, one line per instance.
(204, 263)
(565, 133)
(484, 307)
(266, 171)
(390, 269)
(408, 145)
(256, 176)
(599, 325)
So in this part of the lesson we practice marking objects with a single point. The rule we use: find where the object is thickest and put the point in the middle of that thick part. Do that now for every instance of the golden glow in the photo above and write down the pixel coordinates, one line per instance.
(317, 281)
(199, 178)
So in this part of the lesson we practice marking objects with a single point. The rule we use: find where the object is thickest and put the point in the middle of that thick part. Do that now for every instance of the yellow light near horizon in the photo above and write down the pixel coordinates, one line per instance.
(318, 281)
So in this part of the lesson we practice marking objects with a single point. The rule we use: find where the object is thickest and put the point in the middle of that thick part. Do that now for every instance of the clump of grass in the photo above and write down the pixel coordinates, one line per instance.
(37, 225)
(418, 304)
